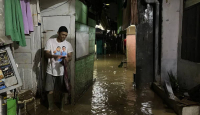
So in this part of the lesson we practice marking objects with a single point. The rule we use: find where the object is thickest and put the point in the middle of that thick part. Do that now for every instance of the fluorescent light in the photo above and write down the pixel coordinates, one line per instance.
(100, 27)
(107, 4)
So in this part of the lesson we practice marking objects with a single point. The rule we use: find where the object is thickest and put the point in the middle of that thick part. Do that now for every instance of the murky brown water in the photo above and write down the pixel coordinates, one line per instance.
(113, 94)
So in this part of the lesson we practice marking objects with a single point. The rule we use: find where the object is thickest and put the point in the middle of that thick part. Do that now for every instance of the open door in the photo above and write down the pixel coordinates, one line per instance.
(50, 28)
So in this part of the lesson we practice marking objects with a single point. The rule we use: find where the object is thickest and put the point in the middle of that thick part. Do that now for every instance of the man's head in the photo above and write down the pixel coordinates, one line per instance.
(62, 33)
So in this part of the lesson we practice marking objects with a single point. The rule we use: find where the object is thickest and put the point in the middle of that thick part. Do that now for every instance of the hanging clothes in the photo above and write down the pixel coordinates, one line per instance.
(39, 16)
(27, 16)
(14, 21)
(35, 11)
(127, 15)
(134, 12)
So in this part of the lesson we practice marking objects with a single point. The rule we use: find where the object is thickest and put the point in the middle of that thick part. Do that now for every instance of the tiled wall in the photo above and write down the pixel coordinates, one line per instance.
(92, 40)
(82, 28)
(81, 12)
(84, 74)
(84, 65)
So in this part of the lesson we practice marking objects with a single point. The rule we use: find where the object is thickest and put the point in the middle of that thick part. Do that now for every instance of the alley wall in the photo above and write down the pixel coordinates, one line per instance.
(2, 23)
(170, 34)
(3, 38)
(85, 45)
(188, 71)
(145, 49)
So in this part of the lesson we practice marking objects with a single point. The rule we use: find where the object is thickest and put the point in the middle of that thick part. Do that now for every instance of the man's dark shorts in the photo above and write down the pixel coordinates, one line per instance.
(54, 83)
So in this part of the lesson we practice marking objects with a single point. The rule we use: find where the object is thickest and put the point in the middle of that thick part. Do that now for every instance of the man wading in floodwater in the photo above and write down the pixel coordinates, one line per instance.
(59, 53)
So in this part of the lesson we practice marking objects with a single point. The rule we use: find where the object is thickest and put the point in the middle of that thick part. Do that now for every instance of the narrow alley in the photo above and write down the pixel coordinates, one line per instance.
(99, 57)
(113, 94)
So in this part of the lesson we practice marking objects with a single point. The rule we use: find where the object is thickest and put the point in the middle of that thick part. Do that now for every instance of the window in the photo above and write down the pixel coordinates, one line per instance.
(190, 49)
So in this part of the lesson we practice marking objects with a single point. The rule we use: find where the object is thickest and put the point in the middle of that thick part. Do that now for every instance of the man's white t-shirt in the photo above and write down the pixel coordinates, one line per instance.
(63, 48)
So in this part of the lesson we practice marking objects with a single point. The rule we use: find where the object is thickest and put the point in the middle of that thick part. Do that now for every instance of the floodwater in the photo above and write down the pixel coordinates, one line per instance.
(113, 94)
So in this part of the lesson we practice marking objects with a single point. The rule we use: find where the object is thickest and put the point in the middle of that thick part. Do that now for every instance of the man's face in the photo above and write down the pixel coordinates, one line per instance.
(62, 36)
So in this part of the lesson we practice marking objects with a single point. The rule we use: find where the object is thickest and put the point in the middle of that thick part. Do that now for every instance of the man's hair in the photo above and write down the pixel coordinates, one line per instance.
(62, 29)
(63, 47)
(58, 47)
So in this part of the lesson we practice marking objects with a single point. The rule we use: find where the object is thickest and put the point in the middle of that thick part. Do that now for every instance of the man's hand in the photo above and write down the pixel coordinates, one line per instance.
(48, 55)
(56, 57)
(67, 59)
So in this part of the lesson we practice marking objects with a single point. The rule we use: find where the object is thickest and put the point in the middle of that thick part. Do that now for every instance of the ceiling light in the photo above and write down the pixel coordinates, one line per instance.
(107, 4)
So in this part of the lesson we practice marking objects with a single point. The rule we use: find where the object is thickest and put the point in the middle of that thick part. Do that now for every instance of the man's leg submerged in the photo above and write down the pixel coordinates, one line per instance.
(50, 100)
(50, 83)
(56, 83)
(62, 101)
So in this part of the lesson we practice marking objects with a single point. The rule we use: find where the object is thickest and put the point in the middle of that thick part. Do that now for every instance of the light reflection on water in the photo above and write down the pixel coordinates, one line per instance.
(113, 94)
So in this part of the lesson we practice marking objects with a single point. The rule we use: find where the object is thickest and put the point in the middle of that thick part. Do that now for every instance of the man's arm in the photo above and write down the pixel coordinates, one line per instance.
(49, 55)
(69, 57)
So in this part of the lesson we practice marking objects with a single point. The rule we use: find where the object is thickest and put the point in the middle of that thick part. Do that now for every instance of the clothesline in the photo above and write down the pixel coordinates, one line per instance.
(20, 18)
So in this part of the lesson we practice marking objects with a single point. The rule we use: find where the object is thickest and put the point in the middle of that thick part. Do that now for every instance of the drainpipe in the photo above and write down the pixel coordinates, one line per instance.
(157, 75)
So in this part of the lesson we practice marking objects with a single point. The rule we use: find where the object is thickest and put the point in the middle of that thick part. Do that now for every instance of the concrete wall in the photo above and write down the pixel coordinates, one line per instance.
(170, 35)
(57, 7)
(188, 72)
(144, 46)
(131, 52)
(28, 59)
(2, 25)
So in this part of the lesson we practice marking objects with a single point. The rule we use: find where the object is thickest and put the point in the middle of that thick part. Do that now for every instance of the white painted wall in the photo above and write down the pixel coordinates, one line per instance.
(3, 38)
(82, 43)
(60, 7)
(2, 23)
(187, 72)
(170, 35)
(57, 7)
(29, 61)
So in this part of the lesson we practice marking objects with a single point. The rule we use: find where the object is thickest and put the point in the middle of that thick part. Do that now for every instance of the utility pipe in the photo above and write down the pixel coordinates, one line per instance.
(156, 47)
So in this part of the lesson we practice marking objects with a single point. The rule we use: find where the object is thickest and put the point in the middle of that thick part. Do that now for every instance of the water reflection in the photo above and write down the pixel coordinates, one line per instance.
(113, 94)
(147, 108)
